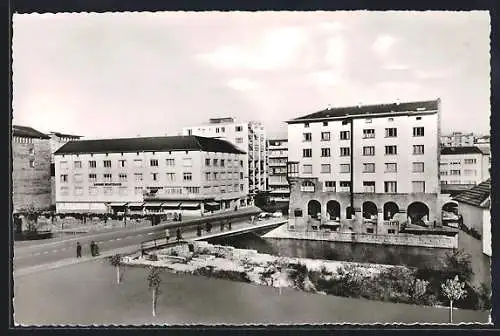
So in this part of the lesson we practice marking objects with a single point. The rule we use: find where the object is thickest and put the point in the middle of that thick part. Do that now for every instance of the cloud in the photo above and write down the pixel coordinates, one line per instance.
(242, 84)
(277, 49)
(395, 66)
(325, 78)
(335, 54)
(383, 44)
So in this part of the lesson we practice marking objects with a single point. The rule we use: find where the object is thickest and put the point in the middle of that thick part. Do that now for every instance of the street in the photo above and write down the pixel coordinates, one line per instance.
(54, 251)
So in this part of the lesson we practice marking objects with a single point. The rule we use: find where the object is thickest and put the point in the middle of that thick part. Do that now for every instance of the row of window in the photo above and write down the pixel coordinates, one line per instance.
(78, 191)
(417, 167)
(367, 151)
(458, 172)
(122, 177)
(367, 121)
(368, 133)
(458, 162)
(368, 186)
(215, 163)
(218, 130)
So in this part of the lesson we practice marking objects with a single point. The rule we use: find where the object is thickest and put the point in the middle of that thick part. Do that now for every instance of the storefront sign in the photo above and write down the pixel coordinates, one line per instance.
(107, 184)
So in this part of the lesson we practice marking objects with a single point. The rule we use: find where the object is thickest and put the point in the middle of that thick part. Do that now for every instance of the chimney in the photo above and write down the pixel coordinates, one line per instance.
(397, 101)
(360, 104)
(329, 107)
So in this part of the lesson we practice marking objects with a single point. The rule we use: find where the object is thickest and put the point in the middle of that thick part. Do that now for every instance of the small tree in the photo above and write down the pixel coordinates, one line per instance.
(116, 261)
(154, 281)
(454, 290)
(31, 215)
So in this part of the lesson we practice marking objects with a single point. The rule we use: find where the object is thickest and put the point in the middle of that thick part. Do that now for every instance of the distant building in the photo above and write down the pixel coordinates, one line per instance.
(57, 140)
(457, 139)
(365, 169)
(30, 169)
(249, 137)
(461, 168)
(277, 156)
(474, 206)
(164, 175)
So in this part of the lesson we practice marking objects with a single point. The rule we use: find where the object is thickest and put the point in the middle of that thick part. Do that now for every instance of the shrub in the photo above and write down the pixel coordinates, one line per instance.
(152, 257)
(459, 263)
(484, 296)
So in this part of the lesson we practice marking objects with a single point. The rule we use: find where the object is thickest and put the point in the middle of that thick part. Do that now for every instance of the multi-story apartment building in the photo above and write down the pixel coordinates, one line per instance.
(457, 139)
(171, 175)
(249, 137)
(277, 158)
(367, 169)
(463, 166)
(30, 169)
(57, 140)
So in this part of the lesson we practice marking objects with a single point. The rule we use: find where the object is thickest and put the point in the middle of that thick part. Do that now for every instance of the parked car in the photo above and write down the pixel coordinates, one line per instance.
(263, 216)
(278, 214)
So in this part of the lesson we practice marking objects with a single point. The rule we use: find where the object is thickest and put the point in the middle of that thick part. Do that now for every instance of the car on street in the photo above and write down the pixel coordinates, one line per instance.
(264, 216)
(277, 214)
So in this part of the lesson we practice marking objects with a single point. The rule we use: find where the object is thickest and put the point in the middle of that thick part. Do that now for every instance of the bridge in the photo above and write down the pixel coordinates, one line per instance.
(237, 229)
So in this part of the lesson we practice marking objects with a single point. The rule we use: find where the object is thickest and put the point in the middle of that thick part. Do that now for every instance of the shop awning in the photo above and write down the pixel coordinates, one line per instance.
(171, 204)
(135, 205)
(117, 204)
(212, 204)
(153, 204)
(190, 204)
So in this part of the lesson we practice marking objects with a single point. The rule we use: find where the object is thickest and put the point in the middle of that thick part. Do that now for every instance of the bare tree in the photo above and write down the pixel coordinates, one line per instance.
(116, 261)
(454, 290)
(154, 281)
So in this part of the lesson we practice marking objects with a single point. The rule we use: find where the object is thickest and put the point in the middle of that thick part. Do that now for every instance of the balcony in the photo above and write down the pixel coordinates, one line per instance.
(343, 189)
(307, 188)
(329, 189)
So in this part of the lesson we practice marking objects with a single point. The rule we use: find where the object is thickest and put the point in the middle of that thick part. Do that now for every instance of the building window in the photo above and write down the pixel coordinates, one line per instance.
(223, 129)
(306, 125)
(92, 177)
(418, 149)
(207, 176)
(122, 163)
(470, 161)
(107, 163)
(369, 186)
(153, 163)
(368, 167)
(391, 132)
(92, 164)
(369, 230)
(418, 167)
(307, 137)
(64, 191)
(325, 123)
(170, 162)
(78, 164)
(63, 164)
(307, 152)
(325, 168)
(390, 119)
(239, 140)
(390, 187)
(154, 176)
(187, 176)
(307, 169)
(122, 177)
(391, 150)
(207, 162)
(368, 133)
(345, 168)
(217, 130)
(345, 184)
(215, 176)
(325, 136)
(138, 163)
(455, 172)
(238, 129)
(418, 131)
(190, 132)
(216, 162)
(369, 150)
(329, 184)
(138, 190)
(241, 163)
(391, 167)
(325, 152)
(344, 135)
(470, 172)
(138, 177)
(187, 162)
(418, 186)
(93, 191)
(108, 191)
(222, 162)
(345, 151)
(64, 178)
(241, 187)
(108, 177)
(391, 231)
(77, 178)
(32, 163)
(171, 177)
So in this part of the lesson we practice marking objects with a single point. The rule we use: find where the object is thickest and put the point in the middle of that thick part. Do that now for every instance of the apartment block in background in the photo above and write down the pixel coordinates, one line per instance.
(457, 139)
(169, 175)
(249, 137)
(277, 158)
(366, 169)
(30, 169)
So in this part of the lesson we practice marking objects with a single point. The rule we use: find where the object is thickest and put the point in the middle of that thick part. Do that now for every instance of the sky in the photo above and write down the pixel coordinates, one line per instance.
(104, 75)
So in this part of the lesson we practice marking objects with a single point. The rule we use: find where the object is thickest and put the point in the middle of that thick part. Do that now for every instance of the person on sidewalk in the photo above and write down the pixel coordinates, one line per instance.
(221, 226)
(229, 224)
(78, 250)
(179, 236)
(92, 248)
(167, 234)
(198, 230)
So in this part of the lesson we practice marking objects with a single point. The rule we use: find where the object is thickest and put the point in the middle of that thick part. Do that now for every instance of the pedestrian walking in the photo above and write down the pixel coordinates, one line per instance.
(209, 227)
(92, 248)
(198, 230)
(167, 234)
(221, 226)
(179, 236)
(229, 225)
(78, 250)
(180, 217)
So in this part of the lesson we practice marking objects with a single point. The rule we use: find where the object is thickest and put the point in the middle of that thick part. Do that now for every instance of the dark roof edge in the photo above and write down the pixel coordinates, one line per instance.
(361, 116)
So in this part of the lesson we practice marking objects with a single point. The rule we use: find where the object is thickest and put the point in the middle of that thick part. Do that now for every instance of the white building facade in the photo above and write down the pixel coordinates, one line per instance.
(169, 175)
(457, 139)
(464, 166)
(277, 158)
(368, 169)
(249, 137)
